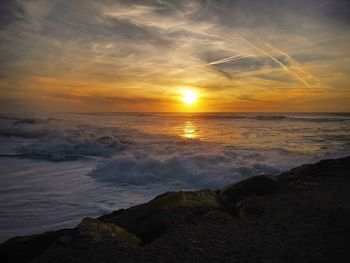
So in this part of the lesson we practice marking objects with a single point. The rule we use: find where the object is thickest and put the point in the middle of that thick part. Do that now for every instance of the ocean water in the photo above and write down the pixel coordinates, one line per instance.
(57, 169)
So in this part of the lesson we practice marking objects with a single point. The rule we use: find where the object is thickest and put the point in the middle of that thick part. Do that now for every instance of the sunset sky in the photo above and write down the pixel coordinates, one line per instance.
(132, 55)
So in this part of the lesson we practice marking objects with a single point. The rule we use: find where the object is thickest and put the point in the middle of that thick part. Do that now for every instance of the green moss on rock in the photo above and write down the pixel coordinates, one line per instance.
(94, 230)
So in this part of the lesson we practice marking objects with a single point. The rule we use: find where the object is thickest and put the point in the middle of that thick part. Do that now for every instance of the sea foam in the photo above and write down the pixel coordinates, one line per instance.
(67, 166)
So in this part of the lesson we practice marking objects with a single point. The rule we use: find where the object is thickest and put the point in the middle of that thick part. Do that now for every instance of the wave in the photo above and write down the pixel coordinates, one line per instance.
(18, 120)
(72, 148)
(114, 162)
(329, 117)
(274, 118)
(198, 171)
(52, 157)
(301, 117)
(10, 133)
(52, 140)
(297, 117)
(69, 139)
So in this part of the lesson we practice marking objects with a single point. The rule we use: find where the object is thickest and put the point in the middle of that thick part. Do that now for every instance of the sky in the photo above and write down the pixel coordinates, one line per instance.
(133, 55)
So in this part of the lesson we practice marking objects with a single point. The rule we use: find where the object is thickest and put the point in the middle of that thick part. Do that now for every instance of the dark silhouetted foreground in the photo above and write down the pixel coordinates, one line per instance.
(299, 216)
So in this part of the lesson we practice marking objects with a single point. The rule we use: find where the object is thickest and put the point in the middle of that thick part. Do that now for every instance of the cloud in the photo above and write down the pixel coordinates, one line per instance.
(140, 47)
(106, 99)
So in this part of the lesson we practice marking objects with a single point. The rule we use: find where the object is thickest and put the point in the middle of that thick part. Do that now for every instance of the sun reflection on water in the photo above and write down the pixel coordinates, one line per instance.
(190, 131)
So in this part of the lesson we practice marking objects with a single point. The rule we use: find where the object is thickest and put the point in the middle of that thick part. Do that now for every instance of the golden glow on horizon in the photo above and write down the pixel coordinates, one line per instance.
(246, 61)
(189, 97)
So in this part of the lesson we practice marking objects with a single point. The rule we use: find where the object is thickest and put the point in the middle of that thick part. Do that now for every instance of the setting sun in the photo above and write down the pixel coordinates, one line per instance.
(189, 97)
(206, 104)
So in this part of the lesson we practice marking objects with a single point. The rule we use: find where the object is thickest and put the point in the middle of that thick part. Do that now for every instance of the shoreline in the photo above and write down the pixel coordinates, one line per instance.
(298, 216)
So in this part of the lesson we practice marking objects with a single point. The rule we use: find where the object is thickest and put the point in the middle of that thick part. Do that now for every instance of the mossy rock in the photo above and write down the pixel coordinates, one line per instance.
(185, 199)
(95, 231)
(258, 185)
(151, 220)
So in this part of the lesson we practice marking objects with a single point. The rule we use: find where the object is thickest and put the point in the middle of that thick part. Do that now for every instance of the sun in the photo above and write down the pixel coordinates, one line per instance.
(189, 97)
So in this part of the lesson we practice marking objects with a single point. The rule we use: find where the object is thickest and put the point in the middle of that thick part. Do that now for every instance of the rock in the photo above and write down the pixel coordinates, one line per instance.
(89, 233)
(258, 185)
(24, 249)
(203, 198)
(249, 208)
(96, 231)
(151, 220)
(331, 167)
(217, 216)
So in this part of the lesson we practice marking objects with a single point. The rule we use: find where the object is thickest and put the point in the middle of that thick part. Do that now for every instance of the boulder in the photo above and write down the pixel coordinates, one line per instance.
(331, 167)
(151, 220)
(257, 185)
(89, 233)
(24, 249)
(92, 230)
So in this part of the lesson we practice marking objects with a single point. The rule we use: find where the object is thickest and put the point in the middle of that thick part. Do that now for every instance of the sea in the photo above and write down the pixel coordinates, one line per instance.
(56, 169)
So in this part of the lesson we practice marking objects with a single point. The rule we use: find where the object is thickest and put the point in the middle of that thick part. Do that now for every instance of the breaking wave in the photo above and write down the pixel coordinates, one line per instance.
(54, 140)
(61, 167)
(197, 171)
(130, 156)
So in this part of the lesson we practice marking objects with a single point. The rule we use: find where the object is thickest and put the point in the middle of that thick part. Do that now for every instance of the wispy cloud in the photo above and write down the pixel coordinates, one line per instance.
(144, 50)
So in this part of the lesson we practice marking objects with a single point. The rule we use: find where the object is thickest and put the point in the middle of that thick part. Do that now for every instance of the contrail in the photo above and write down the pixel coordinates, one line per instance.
(283, 66)
(228, 59)
(255, 72)
(298, 68)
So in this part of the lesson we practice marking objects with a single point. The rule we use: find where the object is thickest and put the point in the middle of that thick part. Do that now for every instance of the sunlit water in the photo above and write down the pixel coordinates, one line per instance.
(57, 169)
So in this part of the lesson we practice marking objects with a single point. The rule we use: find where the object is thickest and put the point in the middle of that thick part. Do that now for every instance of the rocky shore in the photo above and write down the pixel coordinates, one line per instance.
(302, 215)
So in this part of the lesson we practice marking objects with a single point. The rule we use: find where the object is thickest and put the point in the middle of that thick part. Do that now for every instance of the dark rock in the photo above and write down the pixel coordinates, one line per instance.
(23, 249)
(88, 234)
(151, 220)
(258, 185)
(216, 216)
(95, 231)
(331, 167)
(249, 208)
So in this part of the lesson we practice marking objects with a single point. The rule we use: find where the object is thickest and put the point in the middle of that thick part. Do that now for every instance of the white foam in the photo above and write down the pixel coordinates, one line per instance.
(119, 160)
(193, 169)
